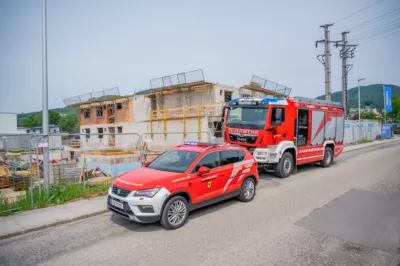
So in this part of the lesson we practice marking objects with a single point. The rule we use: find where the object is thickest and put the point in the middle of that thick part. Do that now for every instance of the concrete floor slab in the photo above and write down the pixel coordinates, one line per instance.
(362, 217)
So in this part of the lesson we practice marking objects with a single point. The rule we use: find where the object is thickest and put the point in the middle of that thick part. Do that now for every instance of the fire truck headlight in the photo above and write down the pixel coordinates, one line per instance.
(262, 153)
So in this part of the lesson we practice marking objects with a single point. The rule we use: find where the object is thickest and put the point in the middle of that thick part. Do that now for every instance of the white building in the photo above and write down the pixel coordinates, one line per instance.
(39, 130)
(8, 123)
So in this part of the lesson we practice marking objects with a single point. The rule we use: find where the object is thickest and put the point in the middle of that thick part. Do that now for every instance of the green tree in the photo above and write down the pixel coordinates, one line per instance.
(54, 117)
(68, 122)
(38, 119)
(369, 116)
(32, 120)
(27, 121)
(395, 114)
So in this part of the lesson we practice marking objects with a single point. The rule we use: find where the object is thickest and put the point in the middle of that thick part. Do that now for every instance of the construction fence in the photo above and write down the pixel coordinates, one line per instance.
(356, 132)
(83, 163)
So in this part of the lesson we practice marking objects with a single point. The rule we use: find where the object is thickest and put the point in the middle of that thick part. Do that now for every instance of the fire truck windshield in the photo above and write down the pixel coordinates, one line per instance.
(247, 117)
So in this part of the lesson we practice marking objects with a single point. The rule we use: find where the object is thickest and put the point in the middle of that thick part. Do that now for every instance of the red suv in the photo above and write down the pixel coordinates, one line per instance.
(182, 179)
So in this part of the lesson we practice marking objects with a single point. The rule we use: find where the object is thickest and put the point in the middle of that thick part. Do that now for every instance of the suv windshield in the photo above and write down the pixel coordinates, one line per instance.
(177, 161)
(247, 117)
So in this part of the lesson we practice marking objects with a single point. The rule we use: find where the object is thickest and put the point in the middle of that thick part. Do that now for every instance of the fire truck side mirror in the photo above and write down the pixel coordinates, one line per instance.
(223, 112)
(278, 116)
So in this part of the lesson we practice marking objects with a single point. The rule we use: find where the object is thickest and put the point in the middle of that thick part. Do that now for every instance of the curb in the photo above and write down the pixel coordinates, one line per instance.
(372, 145)
(37, 228)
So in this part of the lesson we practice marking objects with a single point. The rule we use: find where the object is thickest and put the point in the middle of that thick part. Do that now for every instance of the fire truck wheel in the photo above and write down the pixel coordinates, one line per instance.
(328, 157)
(285, 166)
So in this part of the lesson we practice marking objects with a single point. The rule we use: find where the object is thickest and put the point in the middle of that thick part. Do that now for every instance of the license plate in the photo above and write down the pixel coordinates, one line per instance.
(117, 204)
(241, 139)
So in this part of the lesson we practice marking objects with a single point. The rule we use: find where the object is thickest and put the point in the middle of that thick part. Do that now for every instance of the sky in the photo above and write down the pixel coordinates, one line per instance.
(100, 44)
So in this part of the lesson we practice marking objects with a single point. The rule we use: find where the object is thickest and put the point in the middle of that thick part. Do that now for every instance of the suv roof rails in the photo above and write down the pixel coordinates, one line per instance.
(208, 145)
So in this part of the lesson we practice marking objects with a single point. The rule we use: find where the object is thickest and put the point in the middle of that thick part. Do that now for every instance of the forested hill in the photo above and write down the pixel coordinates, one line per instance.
(371, 95)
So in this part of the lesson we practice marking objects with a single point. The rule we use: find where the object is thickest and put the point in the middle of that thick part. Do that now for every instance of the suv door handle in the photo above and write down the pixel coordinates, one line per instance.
(220, 174)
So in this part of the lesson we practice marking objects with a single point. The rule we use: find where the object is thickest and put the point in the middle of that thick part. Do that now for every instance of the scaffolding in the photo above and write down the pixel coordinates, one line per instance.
(184, 113)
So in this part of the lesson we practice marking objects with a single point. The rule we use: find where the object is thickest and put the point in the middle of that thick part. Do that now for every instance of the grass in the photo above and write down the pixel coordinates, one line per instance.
(17, 151)
(58, 195)
(365, 141)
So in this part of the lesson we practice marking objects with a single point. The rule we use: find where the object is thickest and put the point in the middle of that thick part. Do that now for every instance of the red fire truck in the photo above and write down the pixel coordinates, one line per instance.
(285, 132)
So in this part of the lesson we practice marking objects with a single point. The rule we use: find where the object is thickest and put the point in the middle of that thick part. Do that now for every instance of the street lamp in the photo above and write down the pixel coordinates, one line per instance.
(359, 104)
(45, 99)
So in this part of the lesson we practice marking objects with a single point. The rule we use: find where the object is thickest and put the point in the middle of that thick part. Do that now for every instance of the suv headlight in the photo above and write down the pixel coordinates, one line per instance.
(146, 193)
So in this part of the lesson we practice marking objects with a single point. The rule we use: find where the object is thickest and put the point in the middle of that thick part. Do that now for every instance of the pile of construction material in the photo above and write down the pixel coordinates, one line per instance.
(18, 175)
(97, 176)
(4, 174)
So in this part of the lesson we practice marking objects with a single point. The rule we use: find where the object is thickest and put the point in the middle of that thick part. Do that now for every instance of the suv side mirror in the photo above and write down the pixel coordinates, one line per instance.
(203, 170)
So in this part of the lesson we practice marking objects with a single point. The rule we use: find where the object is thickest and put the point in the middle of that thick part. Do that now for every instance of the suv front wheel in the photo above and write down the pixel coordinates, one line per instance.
(175, 213)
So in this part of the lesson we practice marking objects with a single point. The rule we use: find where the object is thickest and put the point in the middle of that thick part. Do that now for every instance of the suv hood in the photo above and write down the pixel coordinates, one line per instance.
(144, 178)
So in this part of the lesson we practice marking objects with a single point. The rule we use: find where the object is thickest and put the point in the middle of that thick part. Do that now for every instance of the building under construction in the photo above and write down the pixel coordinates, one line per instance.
(183, 103)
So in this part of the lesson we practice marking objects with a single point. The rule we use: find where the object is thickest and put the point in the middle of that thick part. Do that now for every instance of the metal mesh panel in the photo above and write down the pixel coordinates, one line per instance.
(270, 85)
(92, 96)
(111, 92)
(258, 81)
(178, 79)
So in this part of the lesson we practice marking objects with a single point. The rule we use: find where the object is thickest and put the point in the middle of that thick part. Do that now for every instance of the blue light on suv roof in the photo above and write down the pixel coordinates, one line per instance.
(190, 143)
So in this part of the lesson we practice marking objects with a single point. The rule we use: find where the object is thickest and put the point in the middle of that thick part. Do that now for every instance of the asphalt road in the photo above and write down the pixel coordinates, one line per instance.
(262, 232)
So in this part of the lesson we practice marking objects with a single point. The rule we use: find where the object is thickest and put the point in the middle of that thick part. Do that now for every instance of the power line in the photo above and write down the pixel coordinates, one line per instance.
(376, 32)
(376, 29)
(374, 19)
(355, 13)
(379, 34)
(379, 37)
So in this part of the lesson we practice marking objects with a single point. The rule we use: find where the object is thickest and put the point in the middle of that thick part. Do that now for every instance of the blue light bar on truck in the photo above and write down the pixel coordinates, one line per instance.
(272, 100)
(263, 100)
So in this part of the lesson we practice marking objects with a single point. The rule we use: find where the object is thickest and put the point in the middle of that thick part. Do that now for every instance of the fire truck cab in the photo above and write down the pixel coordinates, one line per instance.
(285, 132)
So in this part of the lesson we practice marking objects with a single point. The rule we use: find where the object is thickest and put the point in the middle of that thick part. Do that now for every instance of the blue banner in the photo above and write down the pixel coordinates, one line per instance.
(388, 99)
(386, 131)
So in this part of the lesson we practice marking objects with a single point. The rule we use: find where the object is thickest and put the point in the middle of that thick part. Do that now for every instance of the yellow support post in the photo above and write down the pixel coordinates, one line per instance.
(198, 122)
(184, 121)
(165, 122)
(151, 123)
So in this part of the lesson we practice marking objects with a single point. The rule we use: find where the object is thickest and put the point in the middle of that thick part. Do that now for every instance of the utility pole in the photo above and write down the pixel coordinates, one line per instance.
(346, 52)
(325, 59)
(359, 100)
(45, 100)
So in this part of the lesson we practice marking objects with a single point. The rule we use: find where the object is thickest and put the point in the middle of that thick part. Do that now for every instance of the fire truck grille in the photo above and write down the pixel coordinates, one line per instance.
(244, 139)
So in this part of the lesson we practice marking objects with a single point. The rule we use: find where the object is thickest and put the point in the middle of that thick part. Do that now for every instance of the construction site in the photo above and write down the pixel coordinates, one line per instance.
(119, 133)
(176, 108)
